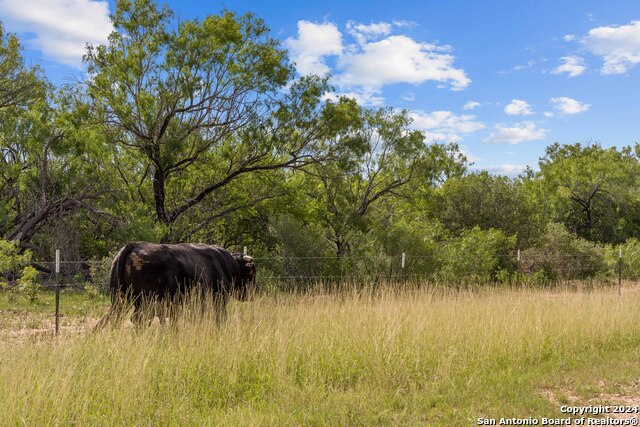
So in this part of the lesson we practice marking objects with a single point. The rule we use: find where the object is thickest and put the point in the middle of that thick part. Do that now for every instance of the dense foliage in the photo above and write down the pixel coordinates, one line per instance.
(199, 130)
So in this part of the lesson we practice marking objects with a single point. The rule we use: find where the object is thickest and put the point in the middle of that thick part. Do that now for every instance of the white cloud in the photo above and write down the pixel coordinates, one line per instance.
(444, 126)
(569, 38)
(362, 33)
(378, 58)
(59, 29)
(572, 65)
(362, 97)
(548, 114)
(530, 63)
(518, 107)
(404, 23)
(399, 59)
(314, 42)
(569, 105)
(470, 105)
(409, 96)
(504, 169)
(618, 46)
(519, 132)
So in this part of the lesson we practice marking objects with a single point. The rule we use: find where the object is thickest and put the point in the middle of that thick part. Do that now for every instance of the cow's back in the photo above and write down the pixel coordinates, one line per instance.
(165, 269)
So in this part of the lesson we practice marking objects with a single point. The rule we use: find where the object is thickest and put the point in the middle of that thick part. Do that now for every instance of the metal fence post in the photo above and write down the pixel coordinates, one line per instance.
(620, 272)
(518, 267)
(57, 291)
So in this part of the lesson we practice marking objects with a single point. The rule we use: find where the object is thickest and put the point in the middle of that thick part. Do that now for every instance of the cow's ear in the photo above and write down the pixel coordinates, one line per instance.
(245, 261)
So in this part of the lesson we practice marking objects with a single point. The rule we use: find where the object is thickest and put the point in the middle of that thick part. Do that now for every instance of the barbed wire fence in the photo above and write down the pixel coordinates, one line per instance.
(287, 272)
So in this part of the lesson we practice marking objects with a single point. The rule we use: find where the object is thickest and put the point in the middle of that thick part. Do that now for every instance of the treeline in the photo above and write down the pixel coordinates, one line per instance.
(199, 131)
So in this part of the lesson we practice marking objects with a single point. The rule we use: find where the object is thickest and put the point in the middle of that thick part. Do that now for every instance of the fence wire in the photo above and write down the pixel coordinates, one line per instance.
(506, 267)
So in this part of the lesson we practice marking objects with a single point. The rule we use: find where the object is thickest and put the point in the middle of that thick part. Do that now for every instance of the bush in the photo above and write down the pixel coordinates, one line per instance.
(478, 256)
(420, 242)
(11, 259)
(301, 250)
(92, 291)
(99, 273)
(559, 254)
(630, 258)
(27, 283)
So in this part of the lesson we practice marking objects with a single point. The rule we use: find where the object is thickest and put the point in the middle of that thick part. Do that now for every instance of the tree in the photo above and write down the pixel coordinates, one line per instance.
(379, 155)
(477, 255)
(558, 253)
(592, 190)
(486, 201)
(50, 167)
(18, 84)
(200, 104)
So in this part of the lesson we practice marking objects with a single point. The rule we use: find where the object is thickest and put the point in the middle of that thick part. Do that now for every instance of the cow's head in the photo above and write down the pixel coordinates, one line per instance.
(245, 290)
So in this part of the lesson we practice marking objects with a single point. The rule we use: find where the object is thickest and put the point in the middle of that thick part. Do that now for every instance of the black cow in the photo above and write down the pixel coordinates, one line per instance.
(147, 273)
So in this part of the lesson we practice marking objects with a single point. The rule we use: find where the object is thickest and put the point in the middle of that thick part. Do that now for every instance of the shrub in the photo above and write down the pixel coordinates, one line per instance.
(27, 283)
(478, 255)
(630, 258)
(304, 248)
(420, 241)
(99, 273)
(11, 259)
(559, 254)
(92, 291)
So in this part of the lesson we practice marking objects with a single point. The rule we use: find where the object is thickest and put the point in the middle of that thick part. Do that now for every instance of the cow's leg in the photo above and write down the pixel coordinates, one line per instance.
(204, 304)
(174, 308)
(143, 311)
(220, 307)
(119, 308)
(103, 322)
(120, 304)
(168, 308)
(162, 312)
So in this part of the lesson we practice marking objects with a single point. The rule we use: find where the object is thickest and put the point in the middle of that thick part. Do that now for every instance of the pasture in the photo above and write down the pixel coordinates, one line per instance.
(390, 355)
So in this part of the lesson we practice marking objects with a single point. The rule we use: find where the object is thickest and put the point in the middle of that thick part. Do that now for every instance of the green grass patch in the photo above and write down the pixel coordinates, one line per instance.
(383, 357)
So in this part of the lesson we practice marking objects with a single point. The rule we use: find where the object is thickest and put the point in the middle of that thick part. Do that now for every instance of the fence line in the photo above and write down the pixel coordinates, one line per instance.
(332, 258)
(290, 273)
(403, 265)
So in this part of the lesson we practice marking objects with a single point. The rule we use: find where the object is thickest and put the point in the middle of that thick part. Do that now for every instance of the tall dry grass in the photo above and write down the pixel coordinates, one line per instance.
(361, 357)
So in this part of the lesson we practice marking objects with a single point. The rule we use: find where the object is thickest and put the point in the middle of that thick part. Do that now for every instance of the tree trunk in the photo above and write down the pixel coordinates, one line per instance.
(342, 247)
(159, 196)
(159, 182)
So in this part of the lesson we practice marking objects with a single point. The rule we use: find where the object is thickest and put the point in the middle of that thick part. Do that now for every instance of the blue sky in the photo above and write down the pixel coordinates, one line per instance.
(504, 79)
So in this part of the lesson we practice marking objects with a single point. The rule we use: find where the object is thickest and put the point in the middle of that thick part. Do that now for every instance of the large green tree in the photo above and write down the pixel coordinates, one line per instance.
(51, 167)
(18, 83)
(379, 157)
(48, 156)
(592, 190)
(201, 105)
(486, 201)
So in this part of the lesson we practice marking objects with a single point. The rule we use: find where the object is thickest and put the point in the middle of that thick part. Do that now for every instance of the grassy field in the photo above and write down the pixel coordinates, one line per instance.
(423, 356)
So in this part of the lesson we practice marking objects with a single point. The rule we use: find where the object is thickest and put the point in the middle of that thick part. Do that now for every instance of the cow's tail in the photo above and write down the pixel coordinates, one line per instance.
(117, 269)
(115, 281)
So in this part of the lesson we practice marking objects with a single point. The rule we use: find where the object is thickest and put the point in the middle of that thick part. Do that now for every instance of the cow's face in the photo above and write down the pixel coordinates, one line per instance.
(245, 290)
